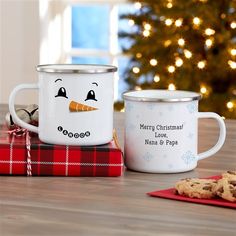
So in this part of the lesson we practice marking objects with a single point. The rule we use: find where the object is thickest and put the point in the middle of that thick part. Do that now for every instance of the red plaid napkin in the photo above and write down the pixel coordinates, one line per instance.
(170, 194)
(57, 160)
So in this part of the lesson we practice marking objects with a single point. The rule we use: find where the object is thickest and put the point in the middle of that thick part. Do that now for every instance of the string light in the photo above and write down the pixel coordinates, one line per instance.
(147, 26)
(203, 90)
(208, 43)
(178, 62)
(153, 62)
(139, 55)
(223, 16)
(209, 31)
(146, 33)
(201, 64)
(136, 70)
(232, 64)
(187, 53)
(137, 88)
(162, 18)
(156, 78)
(196, 21)
(233, 52)
(233, 25)
(171, 69)
(137, 5)
(122, 110)
(131, 22)
(171, 87)
(230, 105)
(169, 5)
(168, 22)
(167, 43)
(181, 42)
(178, 22)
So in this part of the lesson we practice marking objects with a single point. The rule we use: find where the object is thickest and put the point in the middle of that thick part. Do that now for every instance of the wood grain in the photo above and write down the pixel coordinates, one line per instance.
(116, 206)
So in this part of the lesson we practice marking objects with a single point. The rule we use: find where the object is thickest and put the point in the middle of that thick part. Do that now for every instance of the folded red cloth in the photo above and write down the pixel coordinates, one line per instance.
(170, 194)
(57, 160)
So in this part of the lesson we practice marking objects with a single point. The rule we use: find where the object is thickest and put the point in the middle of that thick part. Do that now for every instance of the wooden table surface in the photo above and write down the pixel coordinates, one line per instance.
(117, 206)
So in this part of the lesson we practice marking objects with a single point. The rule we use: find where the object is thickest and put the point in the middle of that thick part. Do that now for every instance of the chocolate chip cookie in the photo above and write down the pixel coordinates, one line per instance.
(229, 174)
(196, 188)
(226, 189)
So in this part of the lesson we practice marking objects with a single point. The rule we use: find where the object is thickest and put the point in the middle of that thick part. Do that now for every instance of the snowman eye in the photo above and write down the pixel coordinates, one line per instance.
(91, 96)
(61, 93)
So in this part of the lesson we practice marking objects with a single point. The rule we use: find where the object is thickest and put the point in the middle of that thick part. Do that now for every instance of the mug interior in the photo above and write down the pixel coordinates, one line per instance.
(161, 95)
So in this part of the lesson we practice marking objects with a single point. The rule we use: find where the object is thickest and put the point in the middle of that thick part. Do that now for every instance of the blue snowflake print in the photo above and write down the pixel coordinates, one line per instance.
(170, 166)
(164, 156)
(130, 127)
(151, 105)
(190, 135)
(129, 106)
(192, 107)
(170, 107)
(188, 157)
(148, 156)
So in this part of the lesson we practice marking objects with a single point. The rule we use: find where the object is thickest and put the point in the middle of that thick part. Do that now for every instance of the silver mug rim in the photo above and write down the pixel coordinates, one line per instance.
(91, 68)
(127, 96)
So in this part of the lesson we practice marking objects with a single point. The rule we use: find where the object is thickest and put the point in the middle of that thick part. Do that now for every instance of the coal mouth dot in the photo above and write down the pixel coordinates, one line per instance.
(73, 135)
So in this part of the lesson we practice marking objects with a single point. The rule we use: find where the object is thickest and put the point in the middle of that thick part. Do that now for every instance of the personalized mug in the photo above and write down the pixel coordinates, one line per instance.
(161, 131)
(75, 104)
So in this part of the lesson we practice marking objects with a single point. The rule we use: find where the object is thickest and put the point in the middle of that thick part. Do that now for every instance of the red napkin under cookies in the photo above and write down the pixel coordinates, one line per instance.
(170, 194)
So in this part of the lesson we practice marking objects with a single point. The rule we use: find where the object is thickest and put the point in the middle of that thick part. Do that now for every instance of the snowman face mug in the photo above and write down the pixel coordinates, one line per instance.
(161, 131)
(75, 104)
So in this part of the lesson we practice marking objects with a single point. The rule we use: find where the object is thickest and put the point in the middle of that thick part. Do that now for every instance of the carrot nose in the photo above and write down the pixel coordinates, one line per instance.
(79, 107)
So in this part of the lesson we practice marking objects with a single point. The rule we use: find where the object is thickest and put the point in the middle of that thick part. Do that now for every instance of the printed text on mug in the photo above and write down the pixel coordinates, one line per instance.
(158, 132)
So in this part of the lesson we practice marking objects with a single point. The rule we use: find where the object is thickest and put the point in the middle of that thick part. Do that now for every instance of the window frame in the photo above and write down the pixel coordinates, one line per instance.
(57, 15)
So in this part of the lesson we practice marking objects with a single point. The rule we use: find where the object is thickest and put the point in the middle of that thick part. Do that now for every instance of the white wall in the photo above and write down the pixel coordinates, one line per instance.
(19, 47)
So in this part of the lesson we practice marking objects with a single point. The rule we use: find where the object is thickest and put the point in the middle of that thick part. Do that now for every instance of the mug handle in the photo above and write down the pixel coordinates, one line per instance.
(222, 134)
(16, 119)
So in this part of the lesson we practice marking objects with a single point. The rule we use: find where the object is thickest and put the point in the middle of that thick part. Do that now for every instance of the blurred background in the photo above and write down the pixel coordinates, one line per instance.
(156, 44)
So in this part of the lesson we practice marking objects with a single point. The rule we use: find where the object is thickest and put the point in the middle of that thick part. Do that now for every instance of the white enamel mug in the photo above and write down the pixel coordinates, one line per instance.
(161, 131)
(75, 104)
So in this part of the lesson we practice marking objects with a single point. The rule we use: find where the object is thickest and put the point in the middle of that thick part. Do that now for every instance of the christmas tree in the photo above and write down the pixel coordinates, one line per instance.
(185, 45)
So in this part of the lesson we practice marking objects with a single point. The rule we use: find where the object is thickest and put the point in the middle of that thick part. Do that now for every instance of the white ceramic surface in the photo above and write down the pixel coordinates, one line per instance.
(64, 100)
(161, 131)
